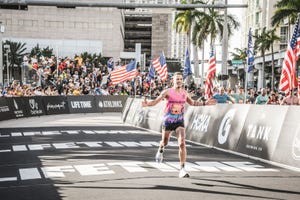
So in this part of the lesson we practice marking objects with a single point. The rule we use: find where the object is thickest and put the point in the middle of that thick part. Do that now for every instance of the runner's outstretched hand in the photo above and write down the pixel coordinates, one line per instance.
(145, 102)
(211, 101)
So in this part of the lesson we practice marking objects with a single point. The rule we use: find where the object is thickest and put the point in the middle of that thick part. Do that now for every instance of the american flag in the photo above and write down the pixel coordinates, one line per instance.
(110, 63)
(160, 66)
(151, 74)
(288, 79)
(250, 52)
(124, 73)
(187, 64)
(210, 74)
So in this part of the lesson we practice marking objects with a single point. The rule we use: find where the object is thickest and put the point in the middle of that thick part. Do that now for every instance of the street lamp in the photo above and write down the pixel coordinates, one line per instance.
(225, 45)
(2, 28)
(7, 51)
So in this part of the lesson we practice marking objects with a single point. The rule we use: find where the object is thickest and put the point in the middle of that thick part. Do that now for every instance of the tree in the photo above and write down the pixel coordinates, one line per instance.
(16, 54)
(47, 52)
(271, 39)
(286, 9)
(183, 23)
(210, 24)
(239, 54)
(36, 51)
(263, 42)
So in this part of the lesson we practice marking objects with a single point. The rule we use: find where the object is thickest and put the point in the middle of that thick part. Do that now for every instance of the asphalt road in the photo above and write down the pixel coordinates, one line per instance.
(96, 156)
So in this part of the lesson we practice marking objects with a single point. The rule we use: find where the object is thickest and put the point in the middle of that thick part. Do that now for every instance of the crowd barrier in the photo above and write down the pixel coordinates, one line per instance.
(18, 107)
(266, 132)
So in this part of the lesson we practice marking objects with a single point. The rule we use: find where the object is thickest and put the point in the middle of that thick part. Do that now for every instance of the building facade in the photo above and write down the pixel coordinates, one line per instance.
(259, 14)
(68, 30)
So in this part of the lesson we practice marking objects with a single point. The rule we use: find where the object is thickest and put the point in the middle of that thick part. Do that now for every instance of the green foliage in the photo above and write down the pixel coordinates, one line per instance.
(286, 9)
(38, 52)
(47, 52)
(17, 51)
(239, 54)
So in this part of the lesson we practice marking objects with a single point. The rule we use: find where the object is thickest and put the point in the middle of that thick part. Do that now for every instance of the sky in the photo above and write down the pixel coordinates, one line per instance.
(237, 39)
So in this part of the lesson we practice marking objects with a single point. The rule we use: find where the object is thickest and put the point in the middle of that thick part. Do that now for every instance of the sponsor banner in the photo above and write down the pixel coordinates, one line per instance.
(230, 126)
(34, 105)
(110, 103)
(135, 107)
(18, 107)
(288, 145)
(55, 105)
(5, 111)
(218, 125)
(150, 117)
(82, 104)
(261, 130)
(126, 109)
(204, 123)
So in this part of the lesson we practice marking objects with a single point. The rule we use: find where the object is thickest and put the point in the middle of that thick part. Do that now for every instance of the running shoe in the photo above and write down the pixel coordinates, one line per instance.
(159, 156)
(183, 173)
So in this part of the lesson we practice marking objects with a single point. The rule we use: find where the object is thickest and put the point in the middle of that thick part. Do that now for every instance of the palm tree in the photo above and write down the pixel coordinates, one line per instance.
(260, 44)
(286, 8)
(263, 42)
(209, 24)
(271, 39)
(184, 22)
(17, 52)
(239, 54)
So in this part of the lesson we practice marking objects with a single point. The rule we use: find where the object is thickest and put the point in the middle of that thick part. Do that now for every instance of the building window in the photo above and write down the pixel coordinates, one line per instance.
(283, 34)
(283, 37)
(257, 18)
(257, 3)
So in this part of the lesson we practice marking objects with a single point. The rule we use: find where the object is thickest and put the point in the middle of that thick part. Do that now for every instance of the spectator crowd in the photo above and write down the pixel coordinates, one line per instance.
(56, 76)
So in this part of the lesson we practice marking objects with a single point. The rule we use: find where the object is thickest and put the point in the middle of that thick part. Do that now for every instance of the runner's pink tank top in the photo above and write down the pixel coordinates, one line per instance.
(174, 111)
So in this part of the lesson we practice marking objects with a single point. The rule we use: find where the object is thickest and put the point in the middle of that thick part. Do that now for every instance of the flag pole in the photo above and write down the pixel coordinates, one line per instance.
(246, 80)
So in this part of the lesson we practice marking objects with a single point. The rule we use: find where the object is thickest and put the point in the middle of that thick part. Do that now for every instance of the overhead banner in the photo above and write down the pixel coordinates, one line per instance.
(288, 145)
(110, 103)
(56, 105)
(261, 130)
(82, 104)
(5, 111)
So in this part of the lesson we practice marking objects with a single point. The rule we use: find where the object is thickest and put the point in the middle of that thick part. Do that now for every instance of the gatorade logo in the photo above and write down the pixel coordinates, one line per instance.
(225, 126)
(296, 145)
